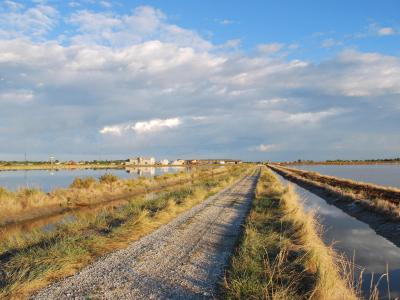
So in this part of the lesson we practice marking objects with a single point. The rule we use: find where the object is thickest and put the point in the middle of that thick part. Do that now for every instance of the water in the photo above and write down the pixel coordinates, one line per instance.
(50, 179)
(388, 174)
(352, 237)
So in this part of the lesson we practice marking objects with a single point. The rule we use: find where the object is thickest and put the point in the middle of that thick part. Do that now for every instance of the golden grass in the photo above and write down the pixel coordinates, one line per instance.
(281, 254)
(73, 245)
(28, 203)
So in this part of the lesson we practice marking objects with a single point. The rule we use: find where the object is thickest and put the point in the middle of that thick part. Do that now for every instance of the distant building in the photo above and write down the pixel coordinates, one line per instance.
(178, 162)
(141, 161)
(164, 162)
(216, 161)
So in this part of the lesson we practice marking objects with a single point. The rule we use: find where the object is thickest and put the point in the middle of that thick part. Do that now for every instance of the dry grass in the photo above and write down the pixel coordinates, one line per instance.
(27, 203)
(38, 258)
(281, 254)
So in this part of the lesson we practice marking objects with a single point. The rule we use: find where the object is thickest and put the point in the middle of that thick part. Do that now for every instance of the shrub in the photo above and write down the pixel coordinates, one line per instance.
(108, 178)
(84, 183)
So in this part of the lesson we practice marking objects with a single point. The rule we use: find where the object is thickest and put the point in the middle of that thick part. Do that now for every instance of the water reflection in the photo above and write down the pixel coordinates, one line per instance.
(354, 238)
(388, 174)
(143, 171)
(50, 179)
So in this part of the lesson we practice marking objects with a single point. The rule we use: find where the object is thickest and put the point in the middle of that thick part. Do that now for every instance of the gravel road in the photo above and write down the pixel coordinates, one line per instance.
(184, 259)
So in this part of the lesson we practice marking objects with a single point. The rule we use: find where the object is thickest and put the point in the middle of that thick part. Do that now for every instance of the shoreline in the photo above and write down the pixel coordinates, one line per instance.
(81, 167)
(384, 223)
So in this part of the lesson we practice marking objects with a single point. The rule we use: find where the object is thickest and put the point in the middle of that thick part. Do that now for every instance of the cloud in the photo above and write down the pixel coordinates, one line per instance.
(17, 20)
(114, 129)
(386, 31)
(329, 43)
(265, 147)
(156, 125)
(142, 127)
(378, 30)
(138, 66)
(269, 48)
(144, 24)
(16, 97)
(311, 117)
(226, 22)
(235, 43)
(106, 4)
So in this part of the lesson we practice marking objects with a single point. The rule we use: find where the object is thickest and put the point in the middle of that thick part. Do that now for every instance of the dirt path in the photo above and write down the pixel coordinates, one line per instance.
(182, 260)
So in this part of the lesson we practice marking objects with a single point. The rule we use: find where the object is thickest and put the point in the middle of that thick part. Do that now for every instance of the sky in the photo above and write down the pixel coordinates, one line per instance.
(253, 80)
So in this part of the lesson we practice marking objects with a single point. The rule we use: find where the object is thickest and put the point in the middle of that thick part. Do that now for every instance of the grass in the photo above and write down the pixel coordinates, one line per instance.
(28, 203)
(33, 260)
(375, 198)
(281, 254)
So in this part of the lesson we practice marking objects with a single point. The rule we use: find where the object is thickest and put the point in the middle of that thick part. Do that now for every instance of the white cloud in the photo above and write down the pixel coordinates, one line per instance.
(156, 125)
(16, 97)
(272, 101)
(311, 117)
(106, 4)
(139, 66)
(144, 24)
(226, 22)
(269, 48)
(386, 31)
(13, 5)
(235, 43)
(265, 147)
(113, 130)
(35, 21)
(378, 30)
(329, 43)
(142, 127)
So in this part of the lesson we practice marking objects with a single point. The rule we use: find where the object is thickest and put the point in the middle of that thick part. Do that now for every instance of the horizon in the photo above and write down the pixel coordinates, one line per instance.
(99, 80)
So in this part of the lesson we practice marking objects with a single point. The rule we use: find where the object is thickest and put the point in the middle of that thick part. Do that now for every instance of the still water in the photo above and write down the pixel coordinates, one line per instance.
(388, 174)
(356, 239)
(48, 180)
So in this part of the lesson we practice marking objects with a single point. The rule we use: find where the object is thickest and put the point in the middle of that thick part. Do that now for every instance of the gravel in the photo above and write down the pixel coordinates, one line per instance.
(184, 259)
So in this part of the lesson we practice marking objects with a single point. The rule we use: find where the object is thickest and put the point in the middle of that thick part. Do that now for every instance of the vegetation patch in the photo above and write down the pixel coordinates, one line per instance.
(281, 255)
(35, 259)
(28, 204)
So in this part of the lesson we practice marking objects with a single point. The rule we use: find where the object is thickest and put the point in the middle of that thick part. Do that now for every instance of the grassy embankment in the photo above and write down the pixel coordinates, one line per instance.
(281, 255)
(31, 203)
(378, 199)
(32, 261)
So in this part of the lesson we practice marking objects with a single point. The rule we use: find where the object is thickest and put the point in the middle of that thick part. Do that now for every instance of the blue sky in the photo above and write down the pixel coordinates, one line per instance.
(277, 80)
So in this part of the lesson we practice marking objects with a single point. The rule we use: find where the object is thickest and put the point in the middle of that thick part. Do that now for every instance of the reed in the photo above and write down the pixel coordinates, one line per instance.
(28, 203)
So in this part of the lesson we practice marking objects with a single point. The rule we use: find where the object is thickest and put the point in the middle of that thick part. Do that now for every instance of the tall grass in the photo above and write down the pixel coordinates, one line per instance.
(28, 203)
(41, 257)
(281, 255)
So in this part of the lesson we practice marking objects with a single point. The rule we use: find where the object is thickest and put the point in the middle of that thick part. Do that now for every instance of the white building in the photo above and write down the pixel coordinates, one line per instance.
(141, 161)
(178, 162)
(164, 162)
